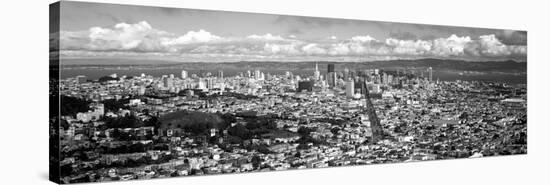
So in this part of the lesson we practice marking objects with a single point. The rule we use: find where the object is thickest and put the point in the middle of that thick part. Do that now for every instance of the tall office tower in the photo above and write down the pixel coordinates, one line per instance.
(430, 72)
(330, 68)
(345, 74)
(171, 75)
(201, 84)
(248, 74)
(168, 82)
(316, 74)
(331, 75)
(376, 71)
(220, 74)
(209, 83)
(350, 89)
(384, 78)
(331, 79)
(184, 74)
(257, 74)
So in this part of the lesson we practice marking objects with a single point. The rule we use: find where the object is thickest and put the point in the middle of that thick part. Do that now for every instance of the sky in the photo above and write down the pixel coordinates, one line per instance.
(92, 30)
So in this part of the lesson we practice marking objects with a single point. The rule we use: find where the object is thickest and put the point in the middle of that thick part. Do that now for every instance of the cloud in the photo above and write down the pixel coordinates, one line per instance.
(409, 47)
(366, 38)
(267, 36)
(490, 46)
(193, 37)
(141, 37)
(313, 49)
(451, 46)
(126, 37)
(281, 49)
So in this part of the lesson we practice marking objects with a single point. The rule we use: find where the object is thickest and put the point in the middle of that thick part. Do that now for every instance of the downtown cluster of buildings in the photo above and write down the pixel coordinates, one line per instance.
(315, 120)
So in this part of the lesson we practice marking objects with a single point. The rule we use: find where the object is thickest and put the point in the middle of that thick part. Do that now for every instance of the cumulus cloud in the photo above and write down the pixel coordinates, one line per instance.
(137, 37)
(490, 46)
(366, 38)
(281, 49)
(193, 37)
(409, 47)
(313, 49)
(141, 37)
(267, 36)
(452, 46)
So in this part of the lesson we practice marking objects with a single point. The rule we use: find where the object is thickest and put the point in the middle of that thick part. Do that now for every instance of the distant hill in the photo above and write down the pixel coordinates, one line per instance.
(437, 64)
(113, 61)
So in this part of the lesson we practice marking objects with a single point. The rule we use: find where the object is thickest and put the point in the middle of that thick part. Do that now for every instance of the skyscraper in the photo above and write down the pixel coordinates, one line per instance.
(350, 89)
(220, 74)
(168, 82)
(346, 73)
(331, 76)
(183, 74)
(316, 74)
(331, 79)
(330, 68)
(430, 71)
(209, 83)
(257, 74)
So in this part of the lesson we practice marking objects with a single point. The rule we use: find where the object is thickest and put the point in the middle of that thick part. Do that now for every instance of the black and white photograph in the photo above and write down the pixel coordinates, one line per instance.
(144, 92)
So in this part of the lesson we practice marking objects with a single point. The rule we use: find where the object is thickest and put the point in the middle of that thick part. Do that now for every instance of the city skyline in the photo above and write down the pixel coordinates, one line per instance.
(185, 35)
(146, 92)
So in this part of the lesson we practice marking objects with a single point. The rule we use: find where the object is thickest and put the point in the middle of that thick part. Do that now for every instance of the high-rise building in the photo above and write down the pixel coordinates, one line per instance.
(331, 75)
(168, 82)
(350, 89)
(209, 83)
(248, 74)
(331, 79)
(330, 68)
(257, 74)
(430, 73)
(316, 73)
(345, 74)
(201, 84)
(220, 74)
(184, 74)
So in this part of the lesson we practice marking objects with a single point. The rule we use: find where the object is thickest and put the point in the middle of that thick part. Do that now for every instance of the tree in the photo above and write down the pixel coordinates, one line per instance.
(239, 131)
(335, 130)
(256, 161)
(71, 105)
